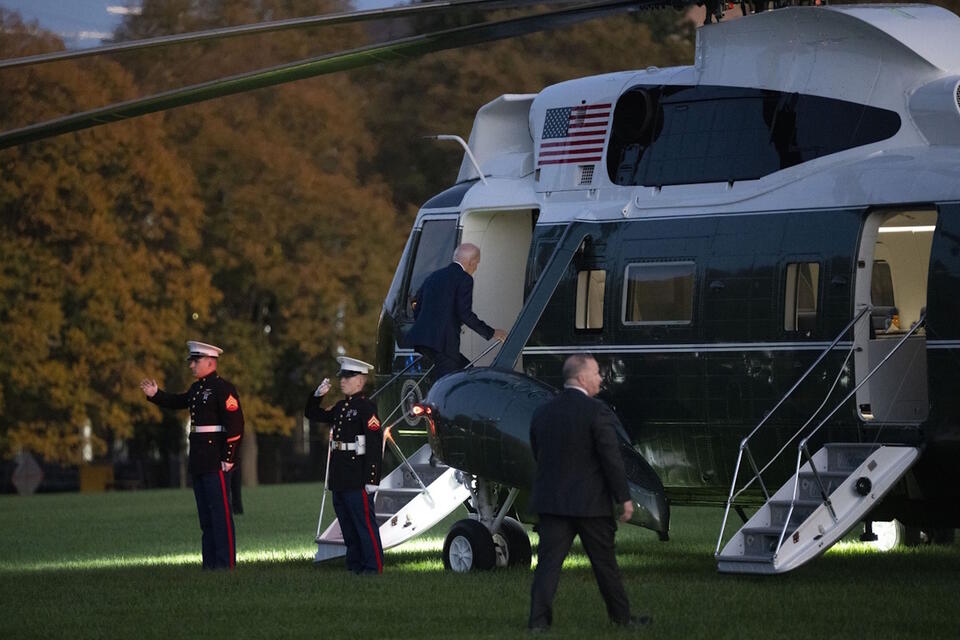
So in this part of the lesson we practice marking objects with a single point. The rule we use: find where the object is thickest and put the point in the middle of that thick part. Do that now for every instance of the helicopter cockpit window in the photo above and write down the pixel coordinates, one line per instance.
(802, 291)
(683, 135)
(658, 293)
(590, 289)
(434, 250)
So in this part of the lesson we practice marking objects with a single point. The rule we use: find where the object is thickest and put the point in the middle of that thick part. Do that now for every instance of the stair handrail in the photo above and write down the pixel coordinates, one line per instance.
(745, 443)
(803, 450)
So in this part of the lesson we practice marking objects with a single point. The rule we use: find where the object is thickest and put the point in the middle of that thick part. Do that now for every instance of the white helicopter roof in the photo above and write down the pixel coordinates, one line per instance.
(902, 58)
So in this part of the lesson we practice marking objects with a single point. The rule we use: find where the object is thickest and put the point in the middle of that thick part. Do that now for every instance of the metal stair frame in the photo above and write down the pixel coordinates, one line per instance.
(824, 516)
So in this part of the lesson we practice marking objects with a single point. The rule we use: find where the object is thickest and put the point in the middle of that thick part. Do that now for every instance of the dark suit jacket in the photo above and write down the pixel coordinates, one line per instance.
(443, 303)
(579, 468)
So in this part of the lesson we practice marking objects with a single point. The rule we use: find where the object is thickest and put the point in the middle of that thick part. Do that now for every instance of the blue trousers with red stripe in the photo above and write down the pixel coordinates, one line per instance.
(216, 521)
(361, 535)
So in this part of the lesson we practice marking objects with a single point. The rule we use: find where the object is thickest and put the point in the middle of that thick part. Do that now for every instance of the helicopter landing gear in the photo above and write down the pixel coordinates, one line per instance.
(488, 538)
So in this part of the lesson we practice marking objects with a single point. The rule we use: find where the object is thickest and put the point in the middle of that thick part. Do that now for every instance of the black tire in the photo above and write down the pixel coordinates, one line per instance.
(910, 536)
(515, 543)
(469, 547)
(941, 535)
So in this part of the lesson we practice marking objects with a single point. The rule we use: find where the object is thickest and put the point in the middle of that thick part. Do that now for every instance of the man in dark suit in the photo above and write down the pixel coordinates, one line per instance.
(579, 478)
(443, 303)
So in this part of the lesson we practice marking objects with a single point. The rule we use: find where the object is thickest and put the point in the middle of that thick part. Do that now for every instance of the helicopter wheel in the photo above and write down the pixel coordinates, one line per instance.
(512, 545)
(469, 547)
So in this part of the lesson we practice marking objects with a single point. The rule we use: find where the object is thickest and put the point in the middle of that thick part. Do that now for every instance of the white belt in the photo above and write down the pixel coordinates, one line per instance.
(336, 445)
(211, 428)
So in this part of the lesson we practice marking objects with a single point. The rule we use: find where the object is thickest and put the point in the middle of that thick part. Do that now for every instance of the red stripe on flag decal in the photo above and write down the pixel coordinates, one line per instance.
(567, 128)
(226, 513)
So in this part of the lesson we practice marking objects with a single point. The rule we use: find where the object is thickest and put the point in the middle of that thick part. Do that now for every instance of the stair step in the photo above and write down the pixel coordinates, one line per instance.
(847, 456)
(392, 499)
(762, 541)
(809, 489)
(427, 472)
(765, 558)
(801, 511)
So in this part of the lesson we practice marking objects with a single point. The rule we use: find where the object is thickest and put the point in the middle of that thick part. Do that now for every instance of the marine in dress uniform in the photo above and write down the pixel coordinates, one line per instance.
(356, 442)
(216, 429)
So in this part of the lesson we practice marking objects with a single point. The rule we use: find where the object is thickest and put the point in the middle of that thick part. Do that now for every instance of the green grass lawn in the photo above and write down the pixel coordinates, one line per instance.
(128, 565)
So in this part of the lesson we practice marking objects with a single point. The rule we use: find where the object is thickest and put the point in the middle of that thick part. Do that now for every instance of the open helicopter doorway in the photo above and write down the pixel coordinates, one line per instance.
(504, 239)
(892, 272)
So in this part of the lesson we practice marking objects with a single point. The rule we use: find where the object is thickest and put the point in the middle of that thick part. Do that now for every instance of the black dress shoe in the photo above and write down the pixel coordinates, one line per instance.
(637, 622)
(538, 629)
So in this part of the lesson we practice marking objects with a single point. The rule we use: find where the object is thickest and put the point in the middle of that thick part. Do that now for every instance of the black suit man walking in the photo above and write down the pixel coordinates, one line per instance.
(579, 478)
(444, 303)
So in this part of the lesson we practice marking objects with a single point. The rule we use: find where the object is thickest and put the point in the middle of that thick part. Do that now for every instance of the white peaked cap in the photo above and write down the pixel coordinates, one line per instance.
(348, 365)
(198, 349)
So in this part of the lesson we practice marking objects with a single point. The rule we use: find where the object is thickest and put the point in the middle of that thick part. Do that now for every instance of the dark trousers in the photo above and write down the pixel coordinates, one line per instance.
(217, 541)
(556, 536)
(361, 535)
(443, 363)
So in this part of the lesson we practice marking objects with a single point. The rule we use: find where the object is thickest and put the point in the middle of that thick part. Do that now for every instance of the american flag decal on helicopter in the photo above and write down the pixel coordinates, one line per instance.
(574, 134)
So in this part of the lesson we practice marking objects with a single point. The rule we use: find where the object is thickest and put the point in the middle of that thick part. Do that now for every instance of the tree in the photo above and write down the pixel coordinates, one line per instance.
(98, 240)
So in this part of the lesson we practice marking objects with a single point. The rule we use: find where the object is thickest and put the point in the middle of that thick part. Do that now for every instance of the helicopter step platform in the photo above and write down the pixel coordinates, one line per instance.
(412, 498)
(797, 524)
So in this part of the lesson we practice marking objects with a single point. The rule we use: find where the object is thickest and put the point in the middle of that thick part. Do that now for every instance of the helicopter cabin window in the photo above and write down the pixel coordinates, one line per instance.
(802, 294)
(669, 135)
(590, 289)
(658, 293)
(434, 250)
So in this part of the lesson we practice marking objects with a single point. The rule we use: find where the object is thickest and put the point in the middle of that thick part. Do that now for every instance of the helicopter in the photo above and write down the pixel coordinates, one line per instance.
(759, 249)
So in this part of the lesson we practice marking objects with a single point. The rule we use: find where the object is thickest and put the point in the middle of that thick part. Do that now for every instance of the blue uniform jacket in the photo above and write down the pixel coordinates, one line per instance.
(349, 418)
(443, 303)
(212, 401)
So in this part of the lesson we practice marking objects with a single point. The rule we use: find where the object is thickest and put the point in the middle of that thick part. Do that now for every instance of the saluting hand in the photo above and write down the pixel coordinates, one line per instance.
(149, 387)
(323, 388)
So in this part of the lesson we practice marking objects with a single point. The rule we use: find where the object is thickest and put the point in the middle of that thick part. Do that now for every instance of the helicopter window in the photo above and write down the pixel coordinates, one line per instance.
(590, 288)
(435, 250)
(659, 293)
(682, 135)
(802, 291)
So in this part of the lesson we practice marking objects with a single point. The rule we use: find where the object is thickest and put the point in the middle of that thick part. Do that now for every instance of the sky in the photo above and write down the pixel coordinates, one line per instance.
(85, 23)
(81, 23)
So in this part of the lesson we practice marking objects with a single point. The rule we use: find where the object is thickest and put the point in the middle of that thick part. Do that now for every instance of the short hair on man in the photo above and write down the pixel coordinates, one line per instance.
(573, 365)
(466, 252)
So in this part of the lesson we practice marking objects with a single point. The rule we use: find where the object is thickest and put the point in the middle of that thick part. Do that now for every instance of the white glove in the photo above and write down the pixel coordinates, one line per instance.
(371, 488)
(226, 466)
(323, 388)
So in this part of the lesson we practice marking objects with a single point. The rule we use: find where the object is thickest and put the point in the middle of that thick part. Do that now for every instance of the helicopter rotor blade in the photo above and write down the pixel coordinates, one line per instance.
(399, 49)
(348, 17)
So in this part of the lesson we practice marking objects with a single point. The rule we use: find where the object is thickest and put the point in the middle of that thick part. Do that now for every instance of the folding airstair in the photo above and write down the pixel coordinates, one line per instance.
(830, 492)
(416, 495)
(816, 507)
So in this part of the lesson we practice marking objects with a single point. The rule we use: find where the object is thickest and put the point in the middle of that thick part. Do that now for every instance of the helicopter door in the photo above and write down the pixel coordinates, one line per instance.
(892, 273)
(433, 246)
(504, 239)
